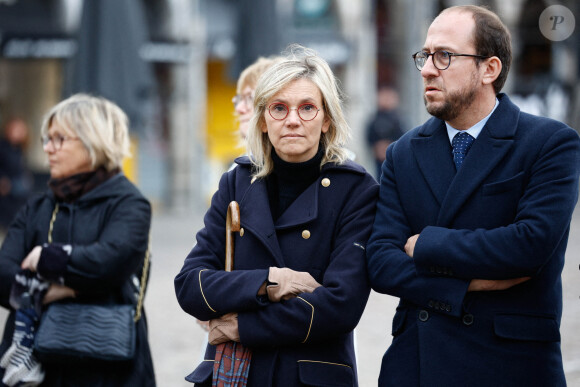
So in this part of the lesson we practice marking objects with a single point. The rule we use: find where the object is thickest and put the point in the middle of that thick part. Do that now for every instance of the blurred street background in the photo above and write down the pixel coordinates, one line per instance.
(172, 65)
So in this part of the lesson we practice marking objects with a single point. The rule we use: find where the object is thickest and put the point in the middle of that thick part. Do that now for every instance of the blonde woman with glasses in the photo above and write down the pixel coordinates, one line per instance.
(299, 284)
(84, 239)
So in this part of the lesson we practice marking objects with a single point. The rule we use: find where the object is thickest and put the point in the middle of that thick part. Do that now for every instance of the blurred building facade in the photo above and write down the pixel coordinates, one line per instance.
(172, 65)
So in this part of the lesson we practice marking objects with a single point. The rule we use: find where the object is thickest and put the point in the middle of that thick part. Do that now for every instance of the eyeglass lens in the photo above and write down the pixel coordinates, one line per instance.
(441, 59)
(247, 98)
(306, 111)
(56, 141)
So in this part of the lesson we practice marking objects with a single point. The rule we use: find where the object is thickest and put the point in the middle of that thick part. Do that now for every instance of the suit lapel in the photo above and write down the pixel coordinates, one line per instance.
(253, 209)
(432, 152)
(490, 147)
(482, 158)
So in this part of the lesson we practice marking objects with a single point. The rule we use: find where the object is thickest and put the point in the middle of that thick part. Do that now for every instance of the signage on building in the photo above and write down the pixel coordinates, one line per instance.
(166, 52)
(37, 48)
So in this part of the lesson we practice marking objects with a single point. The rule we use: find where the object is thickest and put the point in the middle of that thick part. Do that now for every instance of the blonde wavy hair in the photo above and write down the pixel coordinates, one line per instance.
(100, 124)
(298, 63)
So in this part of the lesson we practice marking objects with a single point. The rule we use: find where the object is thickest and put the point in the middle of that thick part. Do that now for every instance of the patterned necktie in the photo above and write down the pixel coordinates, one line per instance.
(461, 144)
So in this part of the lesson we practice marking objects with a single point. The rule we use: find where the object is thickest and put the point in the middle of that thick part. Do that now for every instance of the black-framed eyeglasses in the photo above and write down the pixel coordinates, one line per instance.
(55, 140)
(247, 98)
(306, 111)
(441, 58)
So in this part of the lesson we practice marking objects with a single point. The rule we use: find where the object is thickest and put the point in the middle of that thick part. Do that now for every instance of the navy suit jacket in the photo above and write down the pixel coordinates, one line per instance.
(306, 340)
(505, 214)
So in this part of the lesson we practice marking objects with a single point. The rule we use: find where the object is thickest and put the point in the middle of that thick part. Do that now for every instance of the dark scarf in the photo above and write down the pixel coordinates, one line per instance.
(69, 189)
(288, 180)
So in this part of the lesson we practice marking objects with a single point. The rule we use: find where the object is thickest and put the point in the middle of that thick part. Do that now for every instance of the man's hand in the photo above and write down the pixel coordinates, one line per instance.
(410, 245)
(480, 285)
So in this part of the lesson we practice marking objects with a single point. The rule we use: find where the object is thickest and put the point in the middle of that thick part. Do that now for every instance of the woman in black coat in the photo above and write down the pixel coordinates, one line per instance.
(299, 285)
(98, 224)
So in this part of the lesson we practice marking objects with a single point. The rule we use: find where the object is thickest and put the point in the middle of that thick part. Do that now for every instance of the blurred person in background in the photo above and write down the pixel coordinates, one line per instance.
(473, 220)
(386, 126)
(16, 180)
(85, 238)
(246, 87)
(299, 285)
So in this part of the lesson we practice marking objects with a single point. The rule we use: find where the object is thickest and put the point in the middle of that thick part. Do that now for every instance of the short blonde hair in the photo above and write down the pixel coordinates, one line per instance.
(299, 63)
(249, 77)
(99, 123)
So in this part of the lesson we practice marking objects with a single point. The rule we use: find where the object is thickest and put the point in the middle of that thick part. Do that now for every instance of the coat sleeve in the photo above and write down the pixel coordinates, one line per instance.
(14, 250)
(202, 287)
(540, 226)
(334, 308)
(391, 270)
(117, 253)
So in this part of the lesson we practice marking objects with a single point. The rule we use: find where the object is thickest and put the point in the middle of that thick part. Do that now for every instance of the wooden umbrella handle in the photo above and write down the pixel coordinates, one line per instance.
(232, 225)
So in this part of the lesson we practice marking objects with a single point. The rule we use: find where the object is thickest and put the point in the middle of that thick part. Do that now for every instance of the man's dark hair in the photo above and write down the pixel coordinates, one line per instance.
(491, 38)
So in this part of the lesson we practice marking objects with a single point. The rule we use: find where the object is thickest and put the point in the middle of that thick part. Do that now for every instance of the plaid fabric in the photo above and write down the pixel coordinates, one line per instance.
(231, 365)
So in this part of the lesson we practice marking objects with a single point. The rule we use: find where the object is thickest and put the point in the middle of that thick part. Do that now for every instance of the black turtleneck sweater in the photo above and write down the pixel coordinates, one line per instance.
(288, 180)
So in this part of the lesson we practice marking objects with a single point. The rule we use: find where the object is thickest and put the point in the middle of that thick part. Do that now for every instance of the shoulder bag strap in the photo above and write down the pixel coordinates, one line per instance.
(144, 273)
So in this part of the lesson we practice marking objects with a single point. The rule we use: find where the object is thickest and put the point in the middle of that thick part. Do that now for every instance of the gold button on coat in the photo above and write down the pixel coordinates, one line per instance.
(325, 182)
(305, 234)
(242, 232)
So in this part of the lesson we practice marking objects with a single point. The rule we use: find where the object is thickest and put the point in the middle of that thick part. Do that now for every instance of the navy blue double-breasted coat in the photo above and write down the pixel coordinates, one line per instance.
(306, 340)
(505, 214)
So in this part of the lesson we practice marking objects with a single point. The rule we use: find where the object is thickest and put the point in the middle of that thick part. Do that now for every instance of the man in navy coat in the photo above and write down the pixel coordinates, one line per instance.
(472, 237)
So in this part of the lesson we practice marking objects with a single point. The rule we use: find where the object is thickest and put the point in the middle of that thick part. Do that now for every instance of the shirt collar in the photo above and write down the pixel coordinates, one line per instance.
(475, 129)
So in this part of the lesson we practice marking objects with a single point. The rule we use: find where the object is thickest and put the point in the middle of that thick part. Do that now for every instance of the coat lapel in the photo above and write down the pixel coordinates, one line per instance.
(303, 210)
(253, 207)
(432, 152)
(490, 147)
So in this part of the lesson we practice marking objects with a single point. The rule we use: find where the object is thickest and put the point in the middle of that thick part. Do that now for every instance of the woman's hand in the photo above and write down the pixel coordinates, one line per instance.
(31, 260)
(203, 324)
(57, 292)
(286, 283)
(224, 329)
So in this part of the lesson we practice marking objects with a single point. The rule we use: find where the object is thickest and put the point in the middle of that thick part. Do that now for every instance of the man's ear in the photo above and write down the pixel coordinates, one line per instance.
(491, 70)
